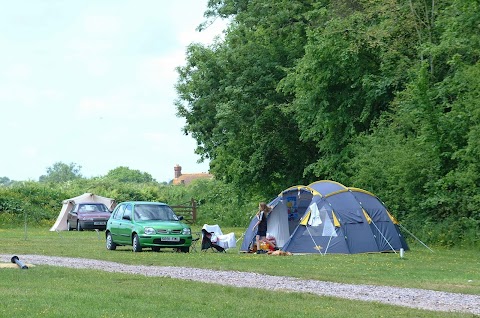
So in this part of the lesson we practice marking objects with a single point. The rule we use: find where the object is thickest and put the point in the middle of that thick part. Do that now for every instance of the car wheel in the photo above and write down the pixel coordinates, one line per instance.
(79, 227)
(110, 243)
(156, 248)
(185, 249)
(69, 228)
(136, 244)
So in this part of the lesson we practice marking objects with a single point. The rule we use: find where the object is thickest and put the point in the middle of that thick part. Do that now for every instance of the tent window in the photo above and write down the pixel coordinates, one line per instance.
(320, 223)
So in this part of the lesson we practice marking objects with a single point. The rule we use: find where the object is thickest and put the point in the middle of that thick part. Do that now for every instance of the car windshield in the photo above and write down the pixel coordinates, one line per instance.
(155, 212)
(92, 208)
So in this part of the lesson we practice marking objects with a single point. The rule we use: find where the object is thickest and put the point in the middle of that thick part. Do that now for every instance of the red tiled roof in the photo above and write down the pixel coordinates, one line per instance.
(187, 178)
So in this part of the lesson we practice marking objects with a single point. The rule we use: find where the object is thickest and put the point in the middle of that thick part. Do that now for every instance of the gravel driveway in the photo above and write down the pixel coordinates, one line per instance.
(406, 297)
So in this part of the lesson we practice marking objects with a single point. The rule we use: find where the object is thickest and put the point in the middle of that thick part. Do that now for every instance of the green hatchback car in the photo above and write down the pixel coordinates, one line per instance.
(147, 224)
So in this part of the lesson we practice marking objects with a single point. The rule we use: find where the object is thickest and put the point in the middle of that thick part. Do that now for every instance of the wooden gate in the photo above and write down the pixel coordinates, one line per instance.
(187, 210)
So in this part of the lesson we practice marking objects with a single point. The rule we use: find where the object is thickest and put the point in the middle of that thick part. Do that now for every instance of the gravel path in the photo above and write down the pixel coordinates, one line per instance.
(407, 297)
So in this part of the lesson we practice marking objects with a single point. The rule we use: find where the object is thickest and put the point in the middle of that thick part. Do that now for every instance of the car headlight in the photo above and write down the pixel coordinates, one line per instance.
(186, 231)
(149, 230)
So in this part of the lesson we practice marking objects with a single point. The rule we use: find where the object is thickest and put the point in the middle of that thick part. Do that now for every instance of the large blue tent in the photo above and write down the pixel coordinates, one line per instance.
(327, 217)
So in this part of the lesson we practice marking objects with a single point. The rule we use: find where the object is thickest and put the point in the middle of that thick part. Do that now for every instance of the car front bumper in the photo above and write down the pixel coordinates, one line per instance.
(161, 240)
(96, 224)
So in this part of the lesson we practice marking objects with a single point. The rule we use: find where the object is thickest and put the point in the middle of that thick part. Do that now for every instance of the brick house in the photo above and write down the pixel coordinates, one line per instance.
(187, 178)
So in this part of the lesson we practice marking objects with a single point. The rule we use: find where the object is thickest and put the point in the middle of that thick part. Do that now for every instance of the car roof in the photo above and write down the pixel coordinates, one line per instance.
(144, 202)
(85, 203)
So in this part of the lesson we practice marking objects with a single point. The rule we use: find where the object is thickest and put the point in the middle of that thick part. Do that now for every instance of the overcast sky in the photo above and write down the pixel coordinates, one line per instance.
(91, 82)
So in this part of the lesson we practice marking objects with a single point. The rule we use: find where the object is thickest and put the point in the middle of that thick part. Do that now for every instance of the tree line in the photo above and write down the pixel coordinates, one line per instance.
(380, 95)
(38, 203)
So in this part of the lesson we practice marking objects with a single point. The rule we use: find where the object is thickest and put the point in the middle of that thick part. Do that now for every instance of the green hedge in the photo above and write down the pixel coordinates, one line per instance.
(217, 202)
(41, 202)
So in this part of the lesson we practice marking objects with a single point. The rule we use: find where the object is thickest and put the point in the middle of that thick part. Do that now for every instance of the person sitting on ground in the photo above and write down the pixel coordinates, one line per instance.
(271, 242)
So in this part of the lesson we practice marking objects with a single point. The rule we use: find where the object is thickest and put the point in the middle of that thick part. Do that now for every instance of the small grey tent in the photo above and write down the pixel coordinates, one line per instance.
(327, 217)
(61, 222)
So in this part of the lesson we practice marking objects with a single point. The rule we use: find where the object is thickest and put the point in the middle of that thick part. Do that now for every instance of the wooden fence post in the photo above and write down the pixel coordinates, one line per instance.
(194, 210)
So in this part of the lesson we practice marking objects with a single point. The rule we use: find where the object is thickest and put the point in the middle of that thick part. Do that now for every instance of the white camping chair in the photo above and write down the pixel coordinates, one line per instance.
(224, 240)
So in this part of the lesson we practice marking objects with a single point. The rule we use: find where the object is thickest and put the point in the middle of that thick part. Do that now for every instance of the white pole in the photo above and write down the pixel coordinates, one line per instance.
(328, 244)
(306, 226)
(384, 237)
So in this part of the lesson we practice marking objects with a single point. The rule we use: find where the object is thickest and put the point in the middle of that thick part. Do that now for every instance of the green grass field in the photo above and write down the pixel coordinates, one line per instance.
(45, 291)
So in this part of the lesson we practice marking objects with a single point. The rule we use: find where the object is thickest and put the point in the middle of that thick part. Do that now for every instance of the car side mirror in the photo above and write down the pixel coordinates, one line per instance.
(126, 217)
(180, 217)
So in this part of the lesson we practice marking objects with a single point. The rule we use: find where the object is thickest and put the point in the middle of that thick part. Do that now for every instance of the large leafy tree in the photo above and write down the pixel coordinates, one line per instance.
(228, 95)
(427, 148)
(456, 111)
(127, 175)
(61, 172)
(377, 94)
(4, 181)
(354, 63)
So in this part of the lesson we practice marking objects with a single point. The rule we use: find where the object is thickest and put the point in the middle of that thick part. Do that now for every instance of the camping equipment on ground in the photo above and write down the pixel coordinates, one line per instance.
(20, 264)
(224, 240)
(268, 244)
(193, 247)
(208, 244)
(327, 217)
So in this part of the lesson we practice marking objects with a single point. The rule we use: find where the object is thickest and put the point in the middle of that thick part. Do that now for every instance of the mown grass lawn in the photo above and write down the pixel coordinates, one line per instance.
(450, 270)
(48, 291)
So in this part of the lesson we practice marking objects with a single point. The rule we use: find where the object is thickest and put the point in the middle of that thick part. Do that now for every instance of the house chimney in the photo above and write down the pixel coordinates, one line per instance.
(178, 171)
